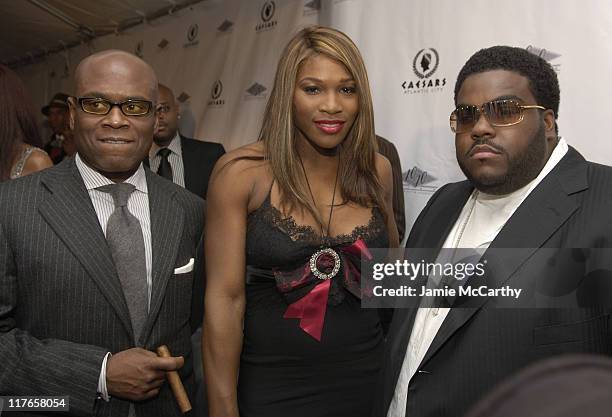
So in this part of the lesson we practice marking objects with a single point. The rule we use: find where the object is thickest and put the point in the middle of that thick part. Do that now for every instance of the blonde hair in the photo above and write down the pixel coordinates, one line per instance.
(357, 178)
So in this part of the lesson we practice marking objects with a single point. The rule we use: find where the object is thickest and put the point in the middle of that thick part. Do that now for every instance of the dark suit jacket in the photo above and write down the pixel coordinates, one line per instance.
(61, 303)
(199, 159)
(389, 150)
(478, 346)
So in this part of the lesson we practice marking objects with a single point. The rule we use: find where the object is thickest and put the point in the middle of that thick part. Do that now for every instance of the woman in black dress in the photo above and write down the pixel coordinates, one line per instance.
(288, 218)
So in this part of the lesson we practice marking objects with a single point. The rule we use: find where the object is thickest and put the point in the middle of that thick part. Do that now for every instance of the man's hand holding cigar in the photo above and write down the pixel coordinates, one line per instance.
(137, 374)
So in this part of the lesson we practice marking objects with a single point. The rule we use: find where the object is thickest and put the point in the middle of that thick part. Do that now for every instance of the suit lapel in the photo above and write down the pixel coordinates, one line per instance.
(167, 219)
(542, 213)
(70, 213)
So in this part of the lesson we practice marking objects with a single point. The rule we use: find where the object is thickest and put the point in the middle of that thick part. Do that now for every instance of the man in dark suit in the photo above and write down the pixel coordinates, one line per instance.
(97, 257)
(541, 209)
(187, 162)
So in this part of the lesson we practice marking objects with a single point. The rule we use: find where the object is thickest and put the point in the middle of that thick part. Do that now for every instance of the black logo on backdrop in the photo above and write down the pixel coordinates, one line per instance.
(424, 65)
(216, 90)
(192, 35)
(546, 55)
(256, 91)
(543, 53)
(183, 97)
(226, 26)
(416, 177)
(215, 94)
(312, 7)
(267, 13)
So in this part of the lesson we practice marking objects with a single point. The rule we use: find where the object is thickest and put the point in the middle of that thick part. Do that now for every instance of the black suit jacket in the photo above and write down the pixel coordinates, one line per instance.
(478, 346)
(199, 159)
(61, 303)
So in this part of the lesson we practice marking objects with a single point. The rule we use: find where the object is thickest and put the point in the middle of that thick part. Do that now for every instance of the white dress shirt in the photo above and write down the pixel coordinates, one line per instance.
(175, 158)
(482, 218)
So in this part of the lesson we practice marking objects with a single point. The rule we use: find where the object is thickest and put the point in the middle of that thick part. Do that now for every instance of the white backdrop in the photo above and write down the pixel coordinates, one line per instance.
(220, 55)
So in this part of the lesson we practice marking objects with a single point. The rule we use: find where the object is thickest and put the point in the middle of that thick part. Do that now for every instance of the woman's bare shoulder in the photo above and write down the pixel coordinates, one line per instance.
(383, 166)
(242, 170)
(246, 156)
(37, 161)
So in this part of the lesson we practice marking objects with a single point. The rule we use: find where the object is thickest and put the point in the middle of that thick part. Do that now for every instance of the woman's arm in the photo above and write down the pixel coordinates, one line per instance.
(224, 302)
(37, 161)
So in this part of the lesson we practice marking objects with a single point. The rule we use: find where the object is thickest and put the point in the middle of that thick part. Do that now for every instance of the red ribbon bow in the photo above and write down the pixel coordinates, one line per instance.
(311, 307)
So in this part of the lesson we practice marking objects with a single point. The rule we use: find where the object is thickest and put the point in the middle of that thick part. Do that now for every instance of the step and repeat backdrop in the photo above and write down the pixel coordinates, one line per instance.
(219, 57)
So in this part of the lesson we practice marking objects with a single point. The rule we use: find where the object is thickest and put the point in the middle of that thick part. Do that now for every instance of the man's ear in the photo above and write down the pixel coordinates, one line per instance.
(549, 120)
(72, 109)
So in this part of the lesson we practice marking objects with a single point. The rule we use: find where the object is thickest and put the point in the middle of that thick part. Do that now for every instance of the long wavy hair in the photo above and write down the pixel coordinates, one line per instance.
(357, 179)
(17, 121)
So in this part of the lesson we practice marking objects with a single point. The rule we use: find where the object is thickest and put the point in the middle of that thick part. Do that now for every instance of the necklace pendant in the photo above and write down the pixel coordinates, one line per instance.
(329, 252)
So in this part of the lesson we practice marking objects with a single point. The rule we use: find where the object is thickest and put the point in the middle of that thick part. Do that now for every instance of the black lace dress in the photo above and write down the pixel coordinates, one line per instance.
(284, 371)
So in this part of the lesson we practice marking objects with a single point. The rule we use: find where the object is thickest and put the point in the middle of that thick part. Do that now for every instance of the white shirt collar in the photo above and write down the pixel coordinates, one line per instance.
(93, 179)
(174, 146)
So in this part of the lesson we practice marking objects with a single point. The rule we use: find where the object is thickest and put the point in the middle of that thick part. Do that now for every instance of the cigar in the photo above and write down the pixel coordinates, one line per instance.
(180, 395)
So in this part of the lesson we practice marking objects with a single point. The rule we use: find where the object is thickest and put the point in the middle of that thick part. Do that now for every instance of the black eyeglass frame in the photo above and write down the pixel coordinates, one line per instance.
(480, 111)
(119, 104)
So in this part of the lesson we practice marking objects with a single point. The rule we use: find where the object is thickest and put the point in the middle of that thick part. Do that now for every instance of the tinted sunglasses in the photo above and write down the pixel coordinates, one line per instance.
(102, 106)
(498, 113)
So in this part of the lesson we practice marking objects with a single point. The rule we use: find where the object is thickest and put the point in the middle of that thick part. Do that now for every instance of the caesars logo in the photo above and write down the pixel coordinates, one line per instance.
(546, 55)
(425, 62)
(424, 65)
(266, 14)
(416, 179)
(192, 35)
(215, 94)
(255, 92)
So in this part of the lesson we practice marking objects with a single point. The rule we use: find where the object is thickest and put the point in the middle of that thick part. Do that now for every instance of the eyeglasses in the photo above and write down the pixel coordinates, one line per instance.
(499, 113)
(101, 106)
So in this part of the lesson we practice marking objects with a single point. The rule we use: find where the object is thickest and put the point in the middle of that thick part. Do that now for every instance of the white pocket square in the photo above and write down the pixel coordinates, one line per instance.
(185, 268)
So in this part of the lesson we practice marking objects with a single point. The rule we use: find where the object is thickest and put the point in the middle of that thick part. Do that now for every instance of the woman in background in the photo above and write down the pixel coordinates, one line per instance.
(20, 141)
(293, 213)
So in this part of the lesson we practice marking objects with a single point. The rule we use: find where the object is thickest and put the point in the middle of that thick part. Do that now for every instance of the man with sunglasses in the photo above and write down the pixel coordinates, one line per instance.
(533, 209)
(97, 257)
